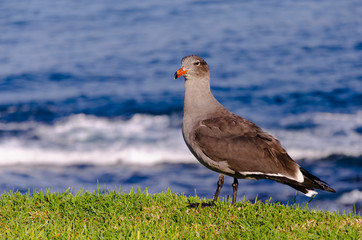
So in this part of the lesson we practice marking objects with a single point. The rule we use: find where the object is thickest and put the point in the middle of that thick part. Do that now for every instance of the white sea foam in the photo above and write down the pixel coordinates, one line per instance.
(146, 139)
(334, 134)
(88, 139)
(351, 197)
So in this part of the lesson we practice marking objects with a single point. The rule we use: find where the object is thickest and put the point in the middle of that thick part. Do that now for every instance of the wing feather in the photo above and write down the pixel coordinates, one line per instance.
(245, 146)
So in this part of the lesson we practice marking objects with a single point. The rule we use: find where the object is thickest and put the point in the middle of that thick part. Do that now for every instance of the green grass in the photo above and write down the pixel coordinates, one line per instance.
(138, 215)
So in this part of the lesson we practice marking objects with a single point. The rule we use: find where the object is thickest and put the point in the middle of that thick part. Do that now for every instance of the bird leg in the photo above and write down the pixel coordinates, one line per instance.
(235, 189)
(216, 196)
(219, 186)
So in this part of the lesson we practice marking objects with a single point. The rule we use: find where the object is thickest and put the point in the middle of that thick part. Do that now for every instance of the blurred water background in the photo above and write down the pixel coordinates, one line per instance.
(87, 92)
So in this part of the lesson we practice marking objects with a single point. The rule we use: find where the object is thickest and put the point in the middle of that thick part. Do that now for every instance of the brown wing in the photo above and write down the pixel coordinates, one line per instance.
(243, 145)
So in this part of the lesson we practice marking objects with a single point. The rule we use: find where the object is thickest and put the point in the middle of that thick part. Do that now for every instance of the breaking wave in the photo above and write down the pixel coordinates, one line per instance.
(149, 139)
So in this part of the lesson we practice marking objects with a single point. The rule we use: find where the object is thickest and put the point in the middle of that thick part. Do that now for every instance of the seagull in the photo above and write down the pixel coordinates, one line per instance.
(231, 145)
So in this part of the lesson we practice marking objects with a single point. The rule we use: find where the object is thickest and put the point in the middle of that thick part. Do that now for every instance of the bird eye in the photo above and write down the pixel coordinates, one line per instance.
(197, 63)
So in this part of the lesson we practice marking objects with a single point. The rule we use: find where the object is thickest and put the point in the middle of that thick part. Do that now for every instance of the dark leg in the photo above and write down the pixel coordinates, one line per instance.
(219, 186)
(235, 189)
(216, 196)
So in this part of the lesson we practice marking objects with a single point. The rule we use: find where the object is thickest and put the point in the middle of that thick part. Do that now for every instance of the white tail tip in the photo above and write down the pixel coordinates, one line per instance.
(310, 193)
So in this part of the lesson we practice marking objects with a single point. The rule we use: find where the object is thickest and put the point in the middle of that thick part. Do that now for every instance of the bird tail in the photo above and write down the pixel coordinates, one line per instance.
(310, 183)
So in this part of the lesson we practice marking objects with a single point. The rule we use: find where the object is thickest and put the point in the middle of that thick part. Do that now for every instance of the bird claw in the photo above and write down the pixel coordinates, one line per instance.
(202, 205)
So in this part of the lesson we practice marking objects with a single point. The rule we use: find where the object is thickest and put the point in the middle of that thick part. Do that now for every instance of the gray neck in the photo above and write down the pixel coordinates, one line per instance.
(199, 101)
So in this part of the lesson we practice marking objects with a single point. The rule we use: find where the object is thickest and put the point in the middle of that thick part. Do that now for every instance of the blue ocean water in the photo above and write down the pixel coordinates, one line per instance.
(87, 92)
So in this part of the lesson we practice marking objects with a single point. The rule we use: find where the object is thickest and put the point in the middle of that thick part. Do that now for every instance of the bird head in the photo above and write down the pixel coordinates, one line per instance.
(193, 66)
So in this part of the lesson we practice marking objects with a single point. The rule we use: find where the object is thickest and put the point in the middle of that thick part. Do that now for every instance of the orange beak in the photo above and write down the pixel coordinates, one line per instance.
(180, 72)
